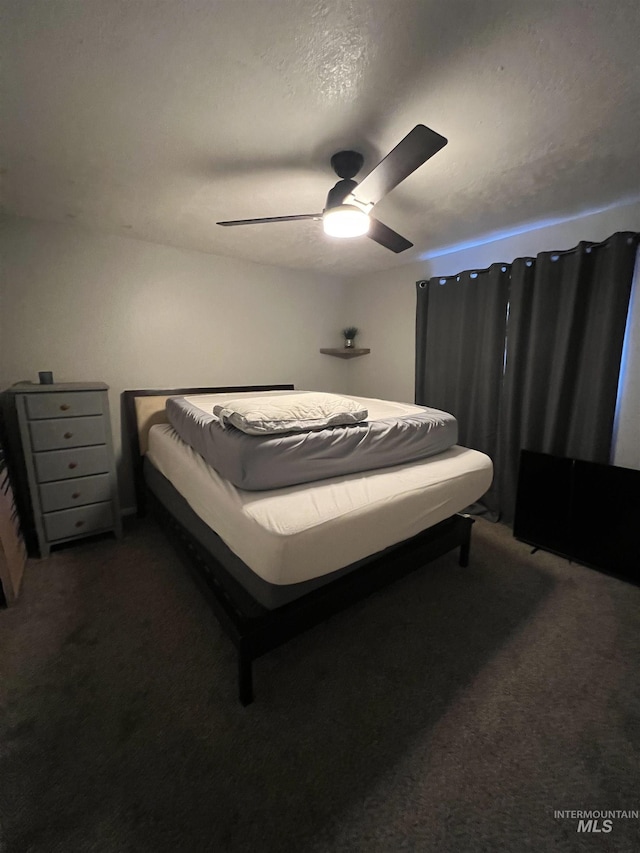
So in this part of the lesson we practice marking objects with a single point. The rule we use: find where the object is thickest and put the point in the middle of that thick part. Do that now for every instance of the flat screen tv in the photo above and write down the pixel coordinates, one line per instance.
(585, 511)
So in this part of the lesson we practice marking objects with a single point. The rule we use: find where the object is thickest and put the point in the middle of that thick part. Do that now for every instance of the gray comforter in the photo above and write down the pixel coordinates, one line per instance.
(269, 462)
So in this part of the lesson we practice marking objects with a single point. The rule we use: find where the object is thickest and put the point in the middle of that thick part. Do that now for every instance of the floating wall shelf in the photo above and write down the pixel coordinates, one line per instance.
(346, 352)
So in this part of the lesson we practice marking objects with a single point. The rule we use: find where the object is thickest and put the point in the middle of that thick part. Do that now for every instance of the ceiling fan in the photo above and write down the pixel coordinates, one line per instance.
(349, 203)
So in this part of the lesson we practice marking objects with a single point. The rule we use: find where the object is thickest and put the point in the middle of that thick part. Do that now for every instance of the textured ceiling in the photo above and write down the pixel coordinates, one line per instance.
(156, 118)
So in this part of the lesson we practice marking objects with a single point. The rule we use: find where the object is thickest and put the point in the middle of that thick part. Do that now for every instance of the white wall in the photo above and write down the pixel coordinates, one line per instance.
(383, 307)
(137, 315)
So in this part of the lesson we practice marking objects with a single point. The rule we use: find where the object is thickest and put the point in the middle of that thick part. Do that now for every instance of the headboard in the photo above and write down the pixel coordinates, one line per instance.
(145, 407)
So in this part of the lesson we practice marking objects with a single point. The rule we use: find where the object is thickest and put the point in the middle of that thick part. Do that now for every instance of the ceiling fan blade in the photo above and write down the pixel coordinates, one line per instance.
(272, 219)
(386, 237)
(409, 154)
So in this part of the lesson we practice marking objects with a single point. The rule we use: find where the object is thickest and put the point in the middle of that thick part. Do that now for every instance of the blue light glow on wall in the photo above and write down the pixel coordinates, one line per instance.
(624, 360)
(525, 228)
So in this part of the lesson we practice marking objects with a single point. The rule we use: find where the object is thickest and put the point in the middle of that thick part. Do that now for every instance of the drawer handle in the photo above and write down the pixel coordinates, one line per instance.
(79, 523)
(73, 464)
(68, 435)
(65, 407)
(76, 495)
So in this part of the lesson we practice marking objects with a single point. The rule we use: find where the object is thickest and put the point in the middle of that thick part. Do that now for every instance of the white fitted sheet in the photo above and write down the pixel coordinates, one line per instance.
(298, 533)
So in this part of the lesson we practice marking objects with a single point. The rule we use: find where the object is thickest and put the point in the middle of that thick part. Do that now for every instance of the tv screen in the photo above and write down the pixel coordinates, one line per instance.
(605, 518)
(582, 510)
(543, 504)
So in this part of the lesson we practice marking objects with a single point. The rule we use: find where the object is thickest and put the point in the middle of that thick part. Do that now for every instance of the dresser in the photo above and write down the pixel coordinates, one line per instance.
(66, 451)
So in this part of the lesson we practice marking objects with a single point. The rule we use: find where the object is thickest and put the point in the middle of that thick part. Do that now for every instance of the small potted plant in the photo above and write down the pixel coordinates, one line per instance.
(349, 336)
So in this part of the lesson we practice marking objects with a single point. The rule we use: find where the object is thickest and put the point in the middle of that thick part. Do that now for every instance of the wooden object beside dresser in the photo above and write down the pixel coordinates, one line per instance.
(67, 454)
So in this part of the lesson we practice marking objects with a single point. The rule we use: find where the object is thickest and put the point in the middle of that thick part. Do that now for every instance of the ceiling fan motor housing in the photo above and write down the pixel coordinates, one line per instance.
(338, 194)
(347, 164)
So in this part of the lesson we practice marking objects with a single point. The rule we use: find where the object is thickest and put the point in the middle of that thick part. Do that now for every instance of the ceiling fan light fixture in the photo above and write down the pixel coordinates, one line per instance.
(345, 220)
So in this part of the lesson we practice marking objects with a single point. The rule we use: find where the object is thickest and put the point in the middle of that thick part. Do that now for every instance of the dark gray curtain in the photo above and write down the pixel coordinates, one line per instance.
(460, 338)
(559, 320)
(567, 316)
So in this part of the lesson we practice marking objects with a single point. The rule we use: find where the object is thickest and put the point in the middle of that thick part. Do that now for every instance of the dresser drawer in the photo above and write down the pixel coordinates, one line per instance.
(68, 493)
(67, 432)
(64, 464)
(63, 405)
(78, 521)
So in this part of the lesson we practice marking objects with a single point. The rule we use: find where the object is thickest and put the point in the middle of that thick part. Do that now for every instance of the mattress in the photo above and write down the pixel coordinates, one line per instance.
(393, 433)
(296, 533)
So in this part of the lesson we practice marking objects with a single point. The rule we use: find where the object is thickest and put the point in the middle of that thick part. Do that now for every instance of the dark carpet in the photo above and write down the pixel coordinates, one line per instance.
(454, 712)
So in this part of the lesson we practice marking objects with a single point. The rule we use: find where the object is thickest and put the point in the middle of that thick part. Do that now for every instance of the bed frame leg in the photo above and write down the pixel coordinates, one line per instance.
(245, 679)
(465, 546)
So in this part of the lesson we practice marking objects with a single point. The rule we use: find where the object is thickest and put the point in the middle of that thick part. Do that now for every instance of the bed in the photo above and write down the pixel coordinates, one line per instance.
(276, 561)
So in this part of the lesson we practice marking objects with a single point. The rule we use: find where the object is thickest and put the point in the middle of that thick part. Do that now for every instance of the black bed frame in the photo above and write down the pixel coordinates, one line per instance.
(253, 628)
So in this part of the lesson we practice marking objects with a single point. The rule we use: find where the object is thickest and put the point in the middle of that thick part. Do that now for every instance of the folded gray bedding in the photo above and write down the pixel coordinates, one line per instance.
(257, 463)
